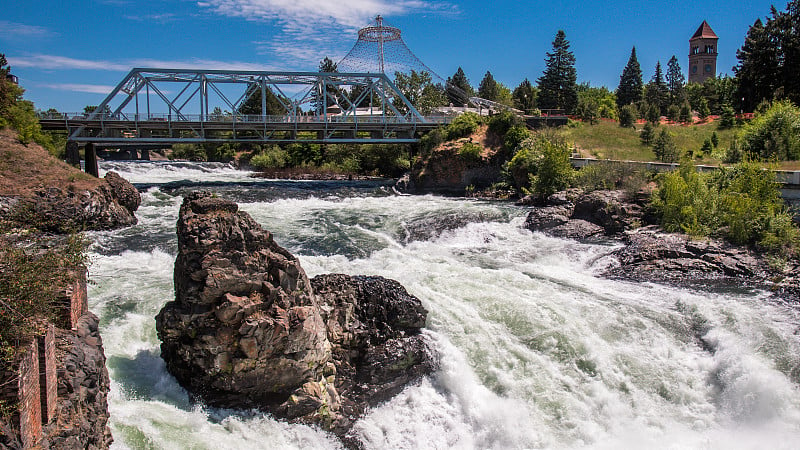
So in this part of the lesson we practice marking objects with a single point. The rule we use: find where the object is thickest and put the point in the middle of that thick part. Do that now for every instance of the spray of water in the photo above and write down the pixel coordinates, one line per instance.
(537, 350)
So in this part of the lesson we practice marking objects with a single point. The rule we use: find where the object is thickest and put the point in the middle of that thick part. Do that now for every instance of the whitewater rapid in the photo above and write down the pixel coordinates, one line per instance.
(536, 349)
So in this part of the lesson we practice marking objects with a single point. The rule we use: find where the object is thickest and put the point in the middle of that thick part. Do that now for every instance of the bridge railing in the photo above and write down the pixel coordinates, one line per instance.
(241, 118)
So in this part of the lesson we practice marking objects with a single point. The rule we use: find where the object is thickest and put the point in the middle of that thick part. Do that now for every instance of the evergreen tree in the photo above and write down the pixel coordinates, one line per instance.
(664, 147)
(334, 94)
(647, 134)
(656, 92)
(558, 87)
(488, 88)
(630, 82)
(524, 96)
(253, 104)
(675, 82)
(758, 68)
(458, 88)
(685, 113)
(785, 29)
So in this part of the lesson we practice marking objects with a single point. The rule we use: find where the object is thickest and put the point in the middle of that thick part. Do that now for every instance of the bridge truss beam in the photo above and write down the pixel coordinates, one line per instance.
(166, 106)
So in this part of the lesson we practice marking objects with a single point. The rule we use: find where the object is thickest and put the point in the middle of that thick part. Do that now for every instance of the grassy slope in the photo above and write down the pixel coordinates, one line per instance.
(609, 140)
(25, 168)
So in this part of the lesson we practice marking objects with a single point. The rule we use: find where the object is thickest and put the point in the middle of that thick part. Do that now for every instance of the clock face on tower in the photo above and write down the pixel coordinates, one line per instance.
(708, 68)
(694, 69)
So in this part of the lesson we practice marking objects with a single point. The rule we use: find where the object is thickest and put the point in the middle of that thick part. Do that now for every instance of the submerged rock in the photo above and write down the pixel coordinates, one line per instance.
(248, 328)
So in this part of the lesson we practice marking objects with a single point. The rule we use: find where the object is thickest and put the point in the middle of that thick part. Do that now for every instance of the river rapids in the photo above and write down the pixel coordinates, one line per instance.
(536, 349)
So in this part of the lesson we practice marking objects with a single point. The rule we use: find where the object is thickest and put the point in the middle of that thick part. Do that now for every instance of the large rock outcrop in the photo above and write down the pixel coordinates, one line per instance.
(110, 204)
(248, 330)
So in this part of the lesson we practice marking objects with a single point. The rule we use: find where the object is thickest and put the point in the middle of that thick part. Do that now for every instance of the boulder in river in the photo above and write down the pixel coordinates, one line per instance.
(248, 329)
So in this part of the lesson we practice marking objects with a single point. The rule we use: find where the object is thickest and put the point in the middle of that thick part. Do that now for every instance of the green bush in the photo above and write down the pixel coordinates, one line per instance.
(500, 123)
(273, 157)
(628, 115)
(741, 204)
(648, 134)
(612, 175)
(463, 126)
(542, 165)
(773, 134)
(470, 153)
(728, 118)
(30, 280)
(664, 147)
(514, 137)
(191, 152)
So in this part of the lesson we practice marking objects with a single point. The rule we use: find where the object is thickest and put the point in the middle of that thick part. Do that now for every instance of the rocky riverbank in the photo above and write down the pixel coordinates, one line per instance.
(61, 402)
(249, 329)
(651, 255)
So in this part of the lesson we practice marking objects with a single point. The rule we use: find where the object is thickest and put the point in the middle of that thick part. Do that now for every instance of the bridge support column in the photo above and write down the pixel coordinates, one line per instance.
(145, 155)
(91, 160)
(73, 154)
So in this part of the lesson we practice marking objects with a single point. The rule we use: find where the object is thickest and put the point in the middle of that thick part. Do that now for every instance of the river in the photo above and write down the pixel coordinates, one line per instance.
(537, 350)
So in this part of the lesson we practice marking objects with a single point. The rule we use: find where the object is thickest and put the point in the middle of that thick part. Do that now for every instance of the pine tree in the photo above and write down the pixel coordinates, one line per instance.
(558, 88)
(784, 26)
(757, 71)
(656, 92)
(524, 96)
(458, 88)
(488, 87)
(675, 82)
(630, 82)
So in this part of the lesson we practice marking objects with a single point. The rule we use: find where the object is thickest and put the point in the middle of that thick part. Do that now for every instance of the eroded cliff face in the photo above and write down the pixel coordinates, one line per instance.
(110, 204)
(247, 328)
(82, 409)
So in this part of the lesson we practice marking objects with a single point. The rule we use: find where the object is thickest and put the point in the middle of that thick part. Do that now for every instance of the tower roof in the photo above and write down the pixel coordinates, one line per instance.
(704, 32)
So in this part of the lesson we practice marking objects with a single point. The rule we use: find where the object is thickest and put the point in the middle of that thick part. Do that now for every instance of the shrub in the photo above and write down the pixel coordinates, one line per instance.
(30, 280)
(612, 175)
(191, 152)
(273, 157)
(727, 118)
(773, 134)
(543, 164)
(500, 123)
(515, 136)
(685, 115)
(674, 113)
(741, 204)
(664, 147)
(470, 153)
(463, 126)
(628, 115)
(648, 134)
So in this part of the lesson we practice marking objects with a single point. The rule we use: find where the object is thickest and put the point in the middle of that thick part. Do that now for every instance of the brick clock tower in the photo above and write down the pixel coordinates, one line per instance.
(703, 54)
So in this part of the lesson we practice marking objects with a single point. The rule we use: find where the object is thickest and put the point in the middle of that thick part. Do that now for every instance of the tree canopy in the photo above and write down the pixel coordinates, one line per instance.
(418, 88)
(524, 96)
(558, 83)
(630, 82)
(769, 59)
(458, 88)
(488, 87)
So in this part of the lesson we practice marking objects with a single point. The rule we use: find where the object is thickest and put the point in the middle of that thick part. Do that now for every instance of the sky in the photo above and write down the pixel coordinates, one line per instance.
(69, 54)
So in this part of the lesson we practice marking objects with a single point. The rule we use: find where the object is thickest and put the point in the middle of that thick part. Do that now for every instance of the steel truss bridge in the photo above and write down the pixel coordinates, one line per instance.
(169, 106)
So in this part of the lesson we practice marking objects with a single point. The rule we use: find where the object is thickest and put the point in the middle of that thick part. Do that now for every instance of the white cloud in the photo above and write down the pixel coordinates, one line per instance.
(88, 88)
(157, 18)
(53, 62)
(63, 62)
(19, 30)
(313, 29)
(198, 64)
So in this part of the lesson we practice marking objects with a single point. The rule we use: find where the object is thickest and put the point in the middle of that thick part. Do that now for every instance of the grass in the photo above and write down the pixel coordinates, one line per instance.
(607, 140)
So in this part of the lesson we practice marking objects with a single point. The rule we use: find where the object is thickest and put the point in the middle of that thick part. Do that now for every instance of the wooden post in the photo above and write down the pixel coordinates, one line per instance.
(91, 161)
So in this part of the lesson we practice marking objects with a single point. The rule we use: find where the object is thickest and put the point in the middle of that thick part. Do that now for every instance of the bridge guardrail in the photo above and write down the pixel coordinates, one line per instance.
(242, 118)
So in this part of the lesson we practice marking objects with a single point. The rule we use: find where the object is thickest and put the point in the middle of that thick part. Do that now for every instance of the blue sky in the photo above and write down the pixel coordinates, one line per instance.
(70, 54)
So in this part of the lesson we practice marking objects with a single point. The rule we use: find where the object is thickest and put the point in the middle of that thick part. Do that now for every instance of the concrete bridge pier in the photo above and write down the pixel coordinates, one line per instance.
(73, 154)
(90, 157)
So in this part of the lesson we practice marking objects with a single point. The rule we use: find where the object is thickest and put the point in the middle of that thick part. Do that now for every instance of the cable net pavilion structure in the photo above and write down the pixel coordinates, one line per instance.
(380, 49)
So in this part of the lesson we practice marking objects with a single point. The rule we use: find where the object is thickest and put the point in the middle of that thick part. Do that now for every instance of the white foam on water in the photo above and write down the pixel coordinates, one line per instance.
(536, 350)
